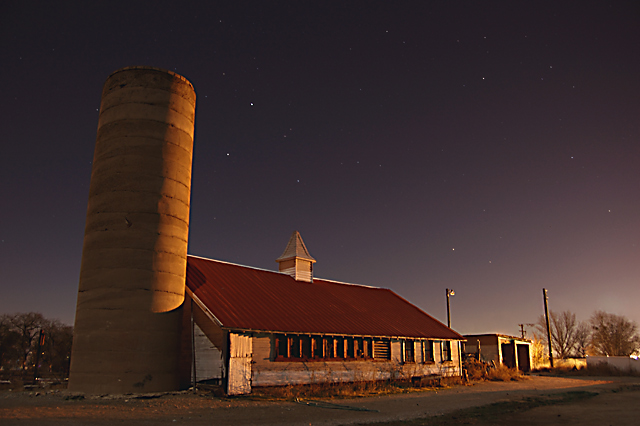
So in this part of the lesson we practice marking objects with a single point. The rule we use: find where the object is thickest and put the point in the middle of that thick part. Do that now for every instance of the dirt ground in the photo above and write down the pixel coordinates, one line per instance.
(616, 402)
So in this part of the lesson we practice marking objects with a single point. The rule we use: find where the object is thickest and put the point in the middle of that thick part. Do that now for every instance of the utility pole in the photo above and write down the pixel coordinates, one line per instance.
(546, 314)
(523, 332)
(449, 293)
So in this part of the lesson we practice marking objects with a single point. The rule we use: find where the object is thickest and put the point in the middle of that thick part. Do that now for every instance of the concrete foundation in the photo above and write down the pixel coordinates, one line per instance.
(132, 277)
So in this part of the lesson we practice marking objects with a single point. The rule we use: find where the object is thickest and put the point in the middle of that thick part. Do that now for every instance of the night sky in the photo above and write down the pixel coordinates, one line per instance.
(488, 147)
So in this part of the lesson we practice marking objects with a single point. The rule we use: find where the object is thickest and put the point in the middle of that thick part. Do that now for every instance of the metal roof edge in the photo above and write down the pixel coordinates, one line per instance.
(252, 330)
(204, 308)
(342, 282)
(234, 264)
(461, 337)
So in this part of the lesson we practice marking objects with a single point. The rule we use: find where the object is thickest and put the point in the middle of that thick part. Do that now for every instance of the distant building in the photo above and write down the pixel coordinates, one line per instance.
(255, 327)
(513, 352)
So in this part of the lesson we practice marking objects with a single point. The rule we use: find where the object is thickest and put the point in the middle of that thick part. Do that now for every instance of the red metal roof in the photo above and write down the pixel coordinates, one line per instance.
(246, 298)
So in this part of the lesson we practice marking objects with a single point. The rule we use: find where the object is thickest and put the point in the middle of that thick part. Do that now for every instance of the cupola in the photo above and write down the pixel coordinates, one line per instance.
(296, 260)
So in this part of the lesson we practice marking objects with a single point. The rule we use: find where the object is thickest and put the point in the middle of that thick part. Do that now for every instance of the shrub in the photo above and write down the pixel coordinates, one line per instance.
(479, 370)
(504, 374)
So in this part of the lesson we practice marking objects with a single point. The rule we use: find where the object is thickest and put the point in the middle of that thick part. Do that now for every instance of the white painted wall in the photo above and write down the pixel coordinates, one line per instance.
(620, 362)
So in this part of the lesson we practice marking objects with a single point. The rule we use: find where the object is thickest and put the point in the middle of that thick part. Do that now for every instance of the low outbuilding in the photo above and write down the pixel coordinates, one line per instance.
(511, 351)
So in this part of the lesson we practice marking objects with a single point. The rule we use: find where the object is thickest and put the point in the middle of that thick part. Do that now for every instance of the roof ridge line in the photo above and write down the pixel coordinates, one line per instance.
(281, 273)
(234, 264)
(342, 282)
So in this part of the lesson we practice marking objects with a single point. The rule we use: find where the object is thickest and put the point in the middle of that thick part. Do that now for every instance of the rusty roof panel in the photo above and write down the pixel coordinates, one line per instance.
(254, 299)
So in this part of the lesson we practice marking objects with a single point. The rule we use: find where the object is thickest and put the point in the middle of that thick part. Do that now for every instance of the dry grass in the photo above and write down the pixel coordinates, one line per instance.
(504, 374)
(351, 390)
(478, 370)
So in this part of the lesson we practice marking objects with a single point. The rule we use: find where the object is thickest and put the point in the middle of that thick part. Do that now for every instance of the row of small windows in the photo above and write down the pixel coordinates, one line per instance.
(426, 347)
(305, 347)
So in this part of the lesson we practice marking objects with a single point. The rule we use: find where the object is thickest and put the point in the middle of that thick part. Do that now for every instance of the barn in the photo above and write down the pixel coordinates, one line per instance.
(253, 327)
(139, 328)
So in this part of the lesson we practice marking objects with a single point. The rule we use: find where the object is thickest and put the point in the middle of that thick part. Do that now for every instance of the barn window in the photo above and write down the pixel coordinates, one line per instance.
(409, 351)
(446, 350)
(349, 347)
(358, 347)
(299, 347)
(427, 351)
(338, 347)
(317, 347)
(281, 346)
(294, 347)
(328, 347)
(368, 347)
(382, 349)
(305, 343)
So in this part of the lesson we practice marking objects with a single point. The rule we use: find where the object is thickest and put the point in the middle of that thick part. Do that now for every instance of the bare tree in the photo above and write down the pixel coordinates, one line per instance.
(57, 348)
(28, 327)
(20, 343)
(583, 339)
(564, 333)
(8, 343)
(614, 335)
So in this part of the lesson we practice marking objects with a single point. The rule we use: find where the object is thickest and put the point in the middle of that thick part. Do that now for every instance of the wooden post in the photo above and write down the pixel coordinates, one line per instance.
(193, 349)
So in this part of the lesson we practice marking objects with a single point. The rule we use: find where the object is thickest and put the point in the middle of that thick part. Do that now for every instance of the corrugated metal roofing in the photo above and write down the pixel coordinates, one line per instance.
(241, 297)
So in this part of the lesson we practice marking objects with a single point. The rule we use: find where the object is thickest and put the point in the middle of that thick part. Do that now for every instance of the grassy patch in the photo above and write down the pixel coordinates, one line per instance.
(492, 412)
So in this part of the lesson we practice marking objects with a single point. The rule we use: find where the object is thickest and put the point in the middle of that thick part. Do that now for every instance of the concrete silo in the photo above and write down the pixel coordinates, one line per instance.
(132, 279)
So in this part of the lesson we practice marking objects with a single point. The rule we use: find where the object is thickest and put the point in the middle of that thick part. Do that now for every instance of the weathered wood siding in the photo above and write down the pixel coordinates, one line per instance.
(216, 335)
(447, 368)
(397, 355)
(240, 356)
(266, 372)
(209, 365)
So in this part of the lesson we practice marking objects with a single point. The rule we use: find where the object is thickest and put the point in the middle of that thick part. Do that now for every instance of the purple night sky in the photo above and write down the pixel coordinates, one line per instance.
(489, 147)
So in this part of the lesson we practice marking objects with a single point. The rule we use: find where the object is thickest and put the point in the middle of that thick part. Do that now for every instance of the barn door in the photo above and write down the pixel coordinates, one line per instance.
(239, 379)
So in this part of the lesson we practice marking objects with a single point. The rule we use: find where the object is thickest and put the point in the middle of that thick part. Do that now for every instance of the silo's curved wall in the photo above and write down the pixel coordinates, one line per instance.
(132, 277)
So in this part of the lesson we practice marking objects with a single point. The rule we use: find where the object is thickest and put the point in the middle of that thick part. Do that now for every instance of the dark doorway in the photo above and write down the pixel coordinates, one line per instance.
(509, 355)
(523, 358)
